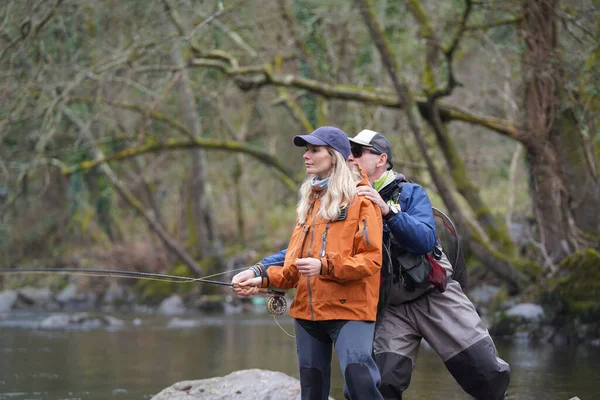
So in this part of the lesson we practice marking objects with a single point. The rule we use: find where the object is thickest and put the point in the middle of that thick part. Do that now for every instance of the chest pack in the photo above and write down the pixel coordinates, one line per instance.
(417, 269)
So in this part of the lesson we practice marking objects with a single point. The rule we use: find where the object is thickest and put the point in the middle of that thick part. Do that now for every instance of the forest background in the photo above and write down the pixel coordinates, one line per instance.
(156, 136)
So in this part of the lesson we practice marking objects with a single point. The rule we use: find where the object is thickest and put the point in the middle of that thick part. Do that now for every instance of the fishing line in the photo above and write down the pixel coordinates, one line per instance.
(118, 274)
(276, 303)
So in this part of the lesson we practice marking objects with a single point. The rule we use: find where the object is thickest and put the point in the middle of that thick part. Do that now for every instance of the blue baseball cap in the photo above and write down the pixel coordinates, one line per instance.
(326, 136)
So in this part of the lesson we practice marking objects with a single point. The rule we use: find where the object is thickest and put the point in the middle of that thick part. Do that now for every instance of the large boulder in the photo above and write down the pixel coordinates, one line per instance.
(253, 384)
(527, 311)
(570, 298)
(520, 320)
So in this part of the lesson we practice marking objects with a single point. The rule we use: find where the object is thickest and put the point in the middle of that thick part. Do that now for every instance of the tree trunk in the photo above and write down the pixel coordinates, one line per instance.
(563, 185)
(208, 239)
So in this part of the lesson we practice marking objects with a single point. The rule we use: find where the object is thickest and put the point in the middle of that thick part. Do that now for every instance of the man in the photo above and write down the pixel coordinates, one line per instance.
(447, 321)
(411, 312)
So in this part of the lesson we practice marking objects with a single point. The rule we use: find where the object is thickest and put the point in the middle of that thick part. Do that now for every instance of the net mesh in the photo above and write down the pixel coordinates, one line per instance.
(450, 241)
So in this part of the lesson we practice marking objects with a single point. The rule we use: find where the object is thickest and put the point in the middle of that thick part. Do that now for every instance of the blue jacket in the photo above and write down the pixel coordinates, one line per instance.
(413, 227)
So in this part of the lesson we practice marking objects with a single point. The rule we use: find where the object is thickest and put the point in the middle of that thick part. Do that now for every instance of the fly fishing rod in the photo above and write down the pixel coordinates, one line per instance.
(276, 303)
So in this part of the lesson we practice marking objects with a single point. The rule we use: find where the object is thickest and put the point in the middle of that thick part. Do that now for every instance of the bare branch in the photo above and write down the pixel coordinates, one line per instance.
(27, 27)
(301, 46)
(495, 24)
(174, 79)
(138, 109)
(262, 76)
(153, 147)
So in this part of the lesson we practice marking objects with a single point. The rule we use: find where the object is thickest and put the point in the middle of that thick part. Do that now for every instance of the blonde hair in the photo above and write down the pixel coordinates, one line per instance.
(340, 192)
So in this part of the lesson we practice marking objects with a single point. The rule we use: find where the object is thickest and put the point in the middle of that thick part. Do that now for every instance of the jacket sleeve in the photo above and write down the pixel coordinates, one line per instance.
(279, 277)
(367, 243)
(277, 274)
(274, 259)
(414, 226)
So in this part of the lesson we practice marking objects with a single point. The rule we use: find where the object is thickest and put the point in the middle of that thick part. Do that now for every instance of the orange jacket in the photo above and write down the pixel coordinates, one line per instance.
(350, 252)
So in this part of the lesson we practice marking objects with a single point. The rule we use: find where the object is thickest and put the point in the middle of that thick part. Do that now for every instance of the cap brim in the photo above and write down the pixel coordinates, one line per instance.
(302, 140)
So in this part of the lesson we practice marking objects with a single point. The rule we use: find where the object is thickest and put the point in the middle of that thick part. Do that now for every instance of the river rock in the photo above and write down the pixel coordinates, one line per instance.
(253, 384)
(172, 306)
(483, 295)
(35, 295)
(7, 300)
(79, 321)
(527, 311)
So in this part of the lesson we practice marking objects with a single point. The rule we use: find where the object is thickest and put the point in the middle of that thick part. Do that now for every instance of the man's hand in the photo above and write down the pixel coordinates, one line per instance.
(375, 197)
(309, 266)
(253, 283)
(242, 277)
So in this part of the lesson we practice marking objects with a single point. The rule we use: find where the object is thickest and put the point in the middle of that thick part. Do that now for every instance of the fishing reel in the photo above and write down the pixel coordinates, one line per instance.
(276, 303)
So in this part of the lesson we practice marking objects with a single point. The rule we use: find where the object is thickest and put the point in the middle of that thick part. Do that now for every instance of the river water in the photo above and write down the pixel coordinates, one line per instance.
(137, 360)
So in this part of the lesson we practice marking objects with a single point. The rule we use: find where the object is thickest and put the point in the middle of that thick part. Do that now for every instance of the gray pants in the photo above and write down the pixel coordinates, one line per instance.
(353, 345)
(450, 324)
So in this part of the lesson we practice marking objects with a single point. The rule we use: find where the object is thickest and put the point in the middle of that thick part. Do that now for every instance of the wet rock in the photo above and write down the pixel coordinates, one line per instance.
(527, 311)
(69, 293)
(79, 321)
(521, 321)
(115, 294)
(211, 304)
(182, 323)
(483, 295)
(7, 300)
(70, 298)
(34, 296)
(172, 306)
(246, 384)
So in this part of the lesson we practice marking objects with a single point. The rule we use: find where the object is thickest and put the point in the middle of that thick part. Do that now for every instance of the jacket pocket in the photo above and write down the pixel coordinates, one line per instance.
(415, 268)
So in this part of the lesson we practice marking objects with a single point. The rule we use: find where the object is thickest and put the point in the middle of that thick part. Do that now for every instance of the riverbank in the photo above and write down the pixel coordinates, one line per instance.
(506, 317)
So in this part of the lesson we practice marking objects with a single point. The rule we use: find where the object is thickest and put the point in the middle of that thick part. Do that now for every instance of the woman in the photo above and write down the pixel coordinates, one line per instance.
(333, 259)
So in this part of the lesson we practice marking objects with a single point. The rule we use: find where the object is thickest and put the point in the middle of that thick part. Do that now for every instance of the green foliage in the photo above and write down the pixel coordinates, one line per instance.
(503, 34)
(499, 299)
(507, 325)
(77, 193)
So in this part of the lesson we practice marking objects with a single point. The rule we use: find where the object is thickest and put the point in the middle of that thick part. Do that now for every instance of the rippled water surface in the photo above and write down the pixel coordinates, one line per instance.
(137, 361)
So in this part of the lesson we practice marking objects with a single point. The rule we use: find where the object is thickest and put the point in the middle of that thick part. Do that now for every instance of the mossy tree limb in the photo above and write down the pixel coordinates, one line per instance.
(155, 147)
(254, 77)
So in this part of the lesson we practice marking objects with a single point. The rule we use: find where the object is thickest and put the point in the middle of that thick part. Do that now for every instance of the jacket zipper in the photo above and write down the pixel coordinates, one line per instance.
(312, 236)
(366, 232)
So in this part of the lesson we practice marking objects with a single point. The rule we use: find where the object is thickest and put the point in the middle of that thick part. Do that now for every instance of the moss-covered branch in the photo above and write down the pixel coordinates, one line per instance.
(256, 76)
(154, 147)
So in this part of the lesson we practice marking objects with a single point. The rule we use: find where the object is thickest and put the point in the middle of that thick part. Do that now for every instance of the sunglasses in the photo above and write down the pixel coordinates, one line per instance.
(357, 151)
